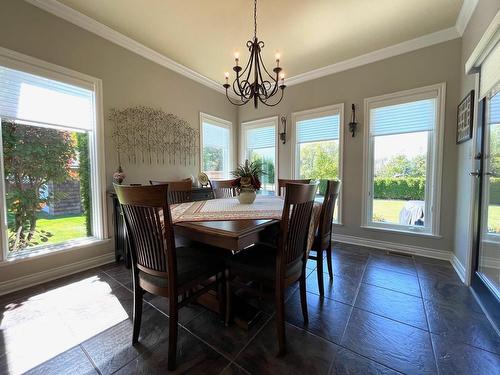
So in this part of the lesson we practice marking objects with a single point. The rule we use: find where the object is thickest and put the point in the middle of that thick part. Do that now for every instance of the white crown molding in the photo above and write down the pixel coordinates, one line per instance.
(67, 13)
(381, 54)
(465, 14)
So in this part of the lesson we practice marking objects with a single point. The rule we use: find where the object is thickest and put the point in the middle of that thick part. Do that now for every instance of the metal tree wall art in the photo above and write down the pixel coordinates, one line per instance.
(148, 135)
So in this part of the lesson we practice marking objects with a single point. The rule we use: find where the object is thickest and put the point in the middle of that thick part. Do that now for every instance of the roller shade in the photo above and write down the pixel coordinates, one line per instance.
(318, 129)
(410, 117)
(262, 137)
(495, 109)
(32, 98)
(490, 71)
(215, 136)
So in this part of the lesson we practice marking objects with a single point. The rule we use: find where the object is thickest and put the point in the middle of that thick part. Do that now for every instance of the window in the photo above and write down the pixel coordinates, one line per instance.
(258, 143)
(216, 141)
(318, 147)
(52, 197)
(403, 167)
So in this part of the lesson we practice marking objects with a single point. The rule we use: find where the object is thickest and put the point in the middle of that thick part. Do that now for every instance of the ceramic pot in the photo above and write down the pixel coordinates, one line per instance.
(247, 196)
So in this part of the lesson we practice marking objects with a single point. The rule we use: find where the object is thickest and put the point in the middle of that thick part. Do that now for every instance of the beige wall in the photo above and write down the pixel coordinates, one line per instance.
(439, 63)
(127, 78)
(481, 18)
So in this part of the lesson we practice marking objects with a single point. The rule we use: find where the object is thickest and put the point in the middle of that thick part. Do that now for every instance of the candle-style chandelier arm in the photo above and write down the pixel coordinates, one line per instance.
(265, 101)
(237, 83)
(236, 103)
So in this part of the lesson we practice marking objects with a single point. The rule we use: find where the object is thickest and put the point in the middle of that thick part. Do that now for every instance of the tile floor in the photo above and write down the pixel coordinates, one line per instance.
(381, 314)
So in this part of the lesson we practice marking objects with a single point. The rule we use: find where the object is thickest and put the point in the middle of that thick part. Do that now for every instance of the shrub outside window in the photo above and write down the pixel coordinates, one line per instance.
(51, 181)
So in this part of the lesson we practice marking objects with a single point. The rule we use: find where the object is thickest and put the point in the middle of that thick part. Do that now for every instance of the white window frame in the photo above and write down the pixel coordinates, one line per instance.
(434, 160)
(223, 124)
(25, 63)
(255, 124)
(329, 110)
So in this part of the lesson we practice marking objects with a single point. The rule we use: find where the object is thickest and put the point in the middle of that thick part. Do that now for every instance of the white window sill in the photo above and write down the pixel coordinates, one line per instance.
(402, 231)
(53, 249)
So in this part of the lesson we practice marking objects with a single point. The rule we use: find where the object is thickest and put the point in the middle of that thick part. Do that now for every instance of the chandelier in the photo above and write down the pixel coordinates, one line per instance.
(254, 81)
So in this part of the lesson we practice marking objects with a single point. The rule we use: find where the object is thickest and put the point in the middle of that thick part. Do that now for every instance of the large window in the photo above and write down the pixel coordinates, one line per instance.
(318, 147)
(216, 141)
(403, 150)
(258, 143)
(51, 195)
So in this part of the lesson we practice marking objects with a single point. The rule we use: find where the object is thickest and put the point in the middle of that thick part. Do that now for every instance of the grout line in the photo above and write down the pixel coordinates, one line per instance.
(427, 321)
(254, 336)
(90, 359)
(354, 302)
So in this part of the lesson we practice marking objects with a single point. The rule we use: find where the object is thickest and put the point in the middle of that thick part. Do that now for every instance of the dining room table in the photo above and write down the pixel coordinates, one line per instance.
(227, 224)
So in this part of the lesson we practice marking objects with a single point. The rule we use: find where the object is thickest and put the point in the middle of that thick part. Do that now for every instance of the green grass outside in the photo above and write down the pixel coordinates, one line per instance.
(388, 211)
(63, 227)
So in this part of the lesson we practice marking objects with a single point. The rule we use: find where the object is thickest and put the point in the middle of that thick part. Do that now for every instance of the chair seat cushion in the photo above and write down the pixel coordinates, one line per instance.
(192, 264)
(259, 262)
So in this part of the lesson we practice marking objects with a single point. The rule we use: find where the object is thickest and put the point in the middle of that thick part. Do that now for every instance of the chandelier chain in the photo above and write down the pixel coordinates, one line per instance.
(255, 19)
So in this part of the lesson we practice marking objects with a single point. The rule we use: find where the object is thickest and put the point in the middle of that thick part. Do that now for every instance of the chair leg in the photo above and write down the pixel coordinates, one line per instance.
(319, 270)
(228, 298)
(329, 260)
(173, 331)
(303, 297)
(137, 313)
(280, 320)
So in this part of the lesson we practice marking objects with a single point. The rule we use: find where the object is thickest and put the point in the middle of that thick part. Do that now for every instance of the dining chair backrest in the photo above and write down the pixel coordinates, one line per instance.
(324, 234)
(295, 223)
(282, 184)
(178, 191)
(223, 188)
(149, 228)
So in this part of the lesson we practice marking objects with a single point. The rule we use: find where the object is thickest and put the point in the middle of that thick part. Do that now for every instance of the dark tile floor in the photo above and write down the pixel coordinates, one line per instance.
(381, 314)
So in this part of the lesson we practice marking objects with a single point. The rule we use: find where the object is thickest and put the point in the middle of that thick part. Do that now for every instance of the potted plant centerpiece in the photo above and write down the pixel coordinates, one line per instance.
(247, 180)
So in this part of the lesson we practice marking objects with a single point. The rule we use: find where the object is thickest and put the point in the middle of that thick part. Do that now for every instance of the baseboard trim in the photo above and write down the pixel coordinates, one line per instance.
(459, 268)
(385, 245)
(54, 273)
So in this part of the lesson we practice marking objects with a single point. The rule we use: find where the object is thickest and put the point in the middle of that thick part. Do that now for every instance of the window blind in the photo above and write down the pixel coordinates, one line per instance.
(410, 117)
(262, 137)
(495, 109)
(318, 129)
(215, 136)
(27, 97)
(490, 71)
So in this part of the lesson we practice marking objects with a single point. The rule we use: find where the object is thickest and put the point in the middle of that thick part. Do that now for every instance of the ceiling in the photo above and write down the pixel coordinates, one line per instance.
(310, 34)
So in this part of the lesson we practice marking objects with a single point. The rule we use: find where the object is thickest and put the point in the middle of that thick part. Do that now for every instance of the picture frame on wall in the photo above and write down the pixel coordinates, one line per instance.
(465, 116)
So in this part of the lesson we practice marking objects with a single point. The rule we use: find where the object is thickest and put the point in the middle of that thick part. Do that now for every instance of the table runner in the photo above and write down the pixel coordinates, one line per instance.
(264, 207)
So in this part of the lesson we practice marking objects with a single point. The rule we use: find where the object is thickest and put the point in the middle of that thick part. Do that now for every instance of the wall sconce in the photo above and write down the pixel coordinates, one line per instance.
(283, 127)
(353, 125)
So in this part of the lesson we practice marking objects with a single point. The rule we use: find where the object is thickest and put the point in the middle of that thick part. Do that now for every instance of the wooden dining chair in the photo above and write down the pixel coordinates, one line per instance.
(282, 184)
(280, 266)
(223, 189)
(158, 267)
(323, 238)
(178, 191)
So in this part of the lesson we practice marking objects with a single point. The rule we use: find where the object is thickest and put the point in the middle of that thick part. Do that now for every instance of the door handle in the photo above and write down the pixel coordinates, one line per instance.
(475, 173)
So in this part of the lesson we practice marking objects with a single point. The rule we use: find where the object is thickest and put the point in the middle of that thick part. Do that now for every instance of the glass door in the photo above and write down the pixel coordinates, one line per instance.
(486, 263)
(489, 247)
